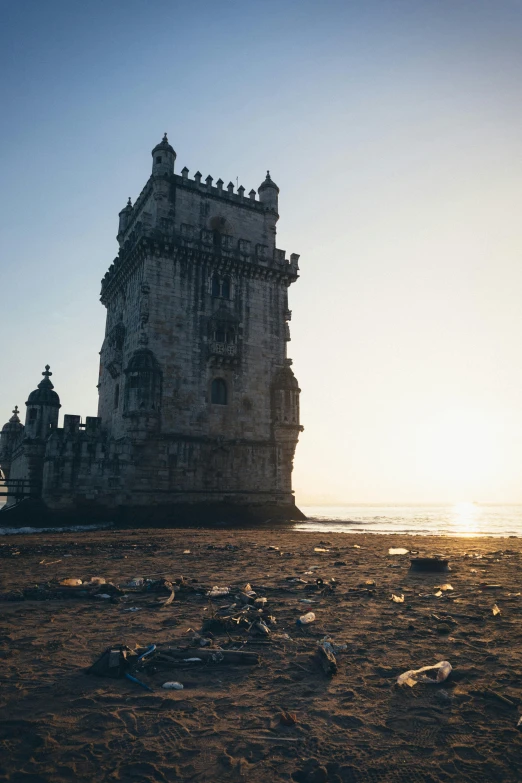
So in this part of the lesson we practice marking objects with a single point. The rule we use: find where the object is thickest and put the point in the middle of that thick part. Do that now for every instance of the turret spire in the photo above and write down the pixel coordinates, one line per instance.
(46, 383)
(163, 158)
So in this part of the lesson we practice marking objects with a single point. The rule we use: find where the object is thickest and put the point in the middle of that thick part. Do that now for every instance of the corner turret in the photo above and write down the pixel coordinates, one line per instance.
(125, 216)
(269, 193)
(163, 158)
(43, 406)
(8, 437)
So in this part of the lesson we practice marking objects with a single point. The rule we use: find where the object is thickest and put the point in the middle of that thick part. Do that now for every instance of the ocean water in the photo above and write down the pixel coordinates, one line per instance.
(460, 519)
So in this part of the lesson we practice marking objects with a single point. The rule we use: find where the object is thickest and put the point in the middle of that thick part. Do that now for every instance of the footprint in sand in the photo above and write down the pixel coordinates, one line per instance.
(467, 753)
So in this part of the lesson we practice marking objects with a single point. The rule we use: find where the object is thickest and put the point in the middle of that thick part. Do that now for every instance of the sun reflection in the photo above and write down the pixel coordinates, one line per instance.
(466, 518)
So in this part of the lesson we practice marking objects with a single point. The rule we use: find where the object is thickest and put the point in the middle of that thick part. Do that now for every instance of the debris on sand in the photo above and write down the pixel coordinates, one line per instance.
(429, 564)
(431, 675)
(327, 659)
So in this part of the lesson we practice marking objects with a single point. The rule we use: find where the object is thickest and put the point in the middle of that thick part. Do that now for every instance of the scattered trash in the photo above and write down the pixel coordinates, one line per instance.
(484, 586)
(397, 599)
(217, 592)
(519, 724)
(289, 718)
(429, 564)
(172, 686)
(273, 548)
(95, 580)
(336, 648)
(261, 627)
(132, 609)
(473, 570)
(400, 550)
(445, 588)
(306, 619)
(186, 551)
(260, 601)
(427, 674)
(137, 582)
(105, 596)
(216, 656)
(320, 549)
(356, 546)
(71, 582)
(326, 655)
(496, 610)
(113, 662)
(438, 594)
(138, 682)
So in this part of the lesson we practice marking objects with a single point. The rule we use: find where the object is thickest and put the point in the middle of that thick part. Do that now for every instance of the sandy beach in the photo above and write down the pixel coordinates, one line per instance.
(59, 724)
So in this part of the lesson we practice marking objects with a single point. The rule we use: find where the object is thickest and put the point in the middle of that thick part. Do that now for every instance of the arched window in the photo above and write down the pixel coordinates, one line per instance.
(219, 392)
(216, 288)
(225, 288)
(33, 413)
(143, 383)
(116, 395)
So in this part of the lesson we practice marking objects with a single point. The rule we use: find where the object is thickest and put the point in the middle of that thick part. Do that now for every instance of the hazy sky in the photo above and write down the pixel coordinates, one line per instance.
(394, 131)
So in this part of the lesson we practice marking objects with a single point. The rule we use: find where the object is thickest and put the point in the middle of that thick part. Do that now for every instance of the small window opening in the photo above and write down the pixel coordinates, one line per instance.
(225, 288)
(33, 413)
(159, 159)
(117, 395)
(215, 286)
(220, 335)
(219, 392)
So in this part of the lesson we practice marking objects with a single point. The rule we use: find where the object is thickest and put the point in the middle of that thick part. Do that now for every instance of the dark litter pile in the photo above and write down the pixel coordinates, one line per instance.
(429, 564)
(240, 615)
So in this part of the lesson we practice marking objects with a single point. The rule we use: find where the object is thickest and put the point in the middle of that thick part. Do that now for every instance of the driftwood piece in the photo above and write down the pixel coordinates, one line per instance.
(212, 656)
(327, 659)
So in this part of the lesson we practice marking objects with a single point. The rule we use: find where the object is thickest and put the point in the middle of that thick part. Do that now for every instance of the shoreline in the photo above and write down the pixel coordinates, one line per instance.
(311, 527)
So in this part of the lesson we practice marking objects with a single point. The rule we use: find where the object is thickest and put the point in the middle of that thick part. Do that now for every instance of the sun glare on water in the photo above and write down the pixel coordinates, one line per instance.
(466, 518)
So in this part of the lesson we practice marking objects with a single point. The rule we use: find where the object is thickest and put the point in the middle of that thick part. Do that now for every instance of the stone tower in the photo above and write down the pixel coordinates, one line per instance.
(198, 411)
(194, 368)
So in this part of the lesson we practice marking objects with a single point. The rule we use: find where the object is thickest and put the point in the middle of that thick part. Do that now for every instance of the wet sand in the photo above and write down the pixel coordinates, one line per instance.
(58, 724)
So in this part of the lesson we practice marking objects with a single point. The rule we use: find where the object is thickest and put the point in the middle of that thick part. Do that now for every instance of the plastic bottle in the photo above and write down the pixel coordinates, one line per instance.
(306, 619)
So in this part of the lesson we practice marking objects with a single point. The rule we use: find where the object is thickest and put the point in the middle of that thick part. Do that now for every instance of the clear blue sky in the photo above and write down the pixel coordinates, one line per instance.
(394, 130)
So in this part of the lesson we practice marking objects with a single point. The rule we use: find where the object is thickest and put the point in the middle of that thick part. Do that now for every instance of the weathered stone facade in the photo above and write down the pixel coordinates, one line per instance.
(197, 400)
